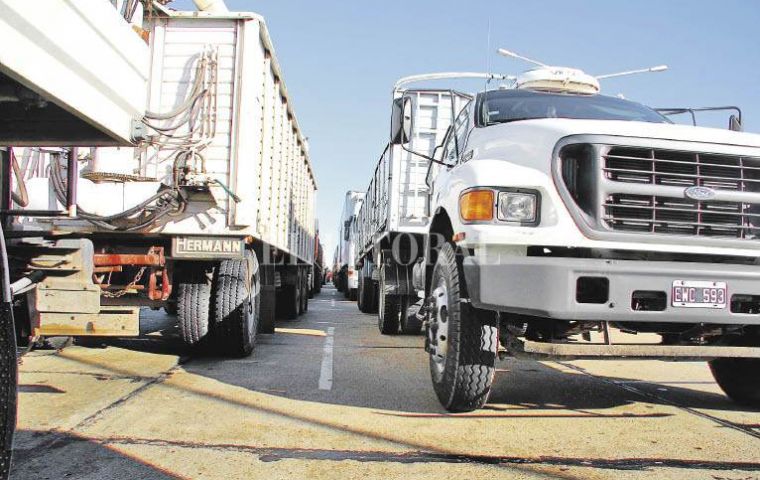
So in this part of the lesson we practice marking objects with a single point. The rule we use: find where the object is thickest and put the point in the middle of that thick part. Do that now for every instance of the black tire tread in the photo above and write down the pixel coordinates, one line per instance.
(739, 378)
(193, 306)
(229, 322)
(466, 382)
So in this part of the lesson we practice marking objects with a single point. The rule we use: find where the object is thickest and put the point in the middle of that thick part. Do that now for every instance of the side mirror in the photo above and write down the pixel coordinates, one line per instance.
(734, 123)
(401, 121)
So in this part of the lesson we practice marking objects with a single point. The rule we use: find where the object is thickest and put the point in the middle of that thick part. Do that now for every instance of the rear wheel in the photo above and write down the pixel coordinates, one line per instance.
(739, 378)
(389, 308)
(236, 305)
(194, 304)
(360, 295)
(304, 293)
(462, 341)
(410, 324)
(288, 301)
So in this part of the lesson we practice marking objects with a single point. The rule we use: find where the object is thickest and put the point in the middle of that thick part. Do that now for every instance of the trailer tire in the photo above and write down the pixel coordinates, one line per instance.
(462, 340)
(194, 305)
(267, 309)
(389, 309)
(237, 305)
(360, 295)
(288, 302)
(372, 295)
(305, 294)
(739, 378)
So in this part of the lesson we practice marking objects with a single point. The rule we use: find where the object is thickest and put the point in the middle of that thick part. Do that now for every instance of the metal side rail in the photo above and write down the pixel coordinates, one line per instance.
(595, 351)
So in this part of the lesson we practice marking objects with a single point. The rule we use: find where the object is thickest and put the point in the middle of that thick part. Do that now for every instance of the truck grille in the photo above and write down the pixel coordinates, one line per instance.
(682, 169)
(680, 216)
(638, 189)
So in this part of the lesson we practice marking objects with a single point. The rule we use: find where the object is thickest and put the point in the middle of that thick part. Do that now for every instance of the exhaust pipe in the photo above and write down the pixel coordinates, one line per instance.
(211, 6)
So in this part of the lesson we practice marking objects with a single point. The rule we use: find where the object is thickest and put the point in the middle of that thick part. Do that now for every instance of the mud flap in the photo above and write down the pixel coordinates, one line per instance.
(8, 382)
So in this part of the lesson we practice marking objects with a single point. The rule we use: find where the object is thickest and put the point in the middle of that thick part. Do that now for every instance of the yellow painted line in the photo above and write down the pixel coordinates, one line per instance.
(301, 331)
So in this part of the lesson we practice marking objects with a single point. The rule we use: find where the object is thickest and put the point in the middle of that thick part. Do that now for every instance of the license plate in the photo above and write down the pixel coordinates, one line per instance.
(699, 294)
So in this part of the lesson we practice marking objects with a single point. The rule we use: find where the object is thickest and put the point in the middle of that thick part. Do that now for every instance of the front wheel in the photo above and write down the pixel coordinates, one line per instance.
(739, 378)
(462, 340)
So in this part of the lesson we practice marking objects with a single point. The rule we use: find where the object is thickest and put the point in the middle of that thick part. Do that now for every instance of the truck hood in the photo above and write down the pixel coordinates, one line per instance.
(536, 137)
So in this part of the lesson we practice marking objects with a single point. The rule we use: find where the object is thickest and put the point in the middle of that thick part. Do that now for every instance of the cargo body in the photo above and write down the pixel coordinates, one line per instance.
(218, 196)
(395, 216)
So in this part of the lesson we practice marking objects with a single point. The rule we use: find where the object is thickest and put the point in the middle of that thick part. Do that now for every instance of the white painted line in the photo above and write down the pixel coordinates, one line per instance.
(332, 302)
(326, 374)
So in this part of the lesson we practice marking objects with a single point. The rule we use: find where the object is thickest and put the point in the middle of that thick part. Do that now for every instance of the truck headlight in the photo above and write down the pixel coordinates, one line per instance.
(519, 207)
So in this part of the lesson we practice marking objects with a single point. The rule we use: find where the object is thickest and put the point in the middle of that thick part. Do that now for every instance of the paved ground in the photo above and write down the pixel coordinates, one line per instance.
(329, 397)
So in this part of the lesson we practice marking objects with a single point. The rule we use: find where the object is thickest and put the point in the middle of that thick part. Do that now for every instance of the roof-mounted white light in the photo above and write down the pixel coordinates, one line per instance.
(558, 80)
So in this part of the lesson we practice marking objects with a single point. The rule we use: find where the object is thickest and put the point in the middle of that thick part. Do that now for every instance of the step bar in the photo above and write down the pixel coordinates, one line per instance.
(595, 351)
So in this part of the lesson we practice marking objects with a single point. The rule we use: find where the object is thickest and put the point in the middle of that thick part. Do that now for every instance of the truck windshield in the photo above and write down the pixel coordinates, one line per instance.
(503, 106)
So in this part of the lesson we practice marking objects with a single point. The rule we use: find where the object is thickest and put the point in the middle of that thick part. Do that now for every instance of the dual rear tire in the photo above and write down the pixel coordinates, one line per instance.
(218, 306)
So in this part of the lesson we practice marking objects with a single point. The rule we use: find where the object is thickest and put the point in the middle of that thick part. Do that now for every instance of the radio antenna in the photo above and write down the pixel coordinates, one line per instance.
(658, 68)
(508, 53)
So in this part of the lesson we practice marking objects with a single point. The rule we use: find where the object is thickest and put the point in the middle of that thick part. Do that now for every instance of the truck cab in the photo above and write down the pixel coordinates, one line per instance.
(570, 224)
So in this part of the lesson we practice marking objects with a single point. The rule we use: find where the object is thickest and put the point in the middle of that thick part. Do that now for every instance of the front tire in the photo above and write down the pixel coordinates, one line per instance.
(739, 378)
(236, 305)
(462, 340)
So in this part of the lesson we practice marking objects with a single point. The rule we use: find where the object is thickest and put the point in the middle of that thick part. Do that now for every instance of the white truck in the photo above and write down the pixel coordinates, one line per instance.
(562, 223)
(394, 218)
(345, 276)
(209, 211)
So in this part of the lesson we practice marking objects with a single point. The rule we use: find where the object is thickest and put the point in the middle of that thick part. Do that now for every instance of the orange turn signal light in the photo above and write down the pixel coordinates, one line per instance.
(476, 205)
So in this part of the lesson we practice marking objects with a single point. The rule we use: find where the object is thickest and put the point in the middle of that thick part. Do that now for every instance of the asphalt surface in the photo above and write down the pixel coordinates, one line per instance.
(327, 396)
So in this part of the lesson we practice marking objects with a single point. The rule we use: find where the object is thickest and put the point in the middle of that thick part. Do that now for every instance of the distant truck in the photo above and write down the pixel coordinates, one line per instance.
(558, 220)
(208, 212)
(344, 276)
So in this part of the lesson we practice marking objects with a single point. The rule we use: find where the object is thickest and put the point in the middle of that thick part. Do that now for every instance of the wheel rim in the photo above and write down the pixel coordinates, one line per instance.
(438, 333)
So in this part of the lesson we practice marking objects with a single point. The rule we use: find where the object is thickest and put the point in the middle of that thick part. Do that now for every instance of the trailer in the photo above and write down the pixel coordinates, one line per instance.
(394, 217)
(210, 214)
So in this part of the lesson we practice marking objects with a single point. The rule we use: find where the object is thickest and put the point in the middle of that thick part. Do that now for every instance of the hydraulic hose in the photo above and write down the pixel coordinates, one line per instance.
(104, 221)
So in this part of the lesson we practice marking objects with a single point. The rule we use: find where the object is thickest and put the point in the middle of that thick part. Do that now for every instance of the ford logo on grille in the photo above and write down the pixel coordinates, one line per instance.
(700, 193)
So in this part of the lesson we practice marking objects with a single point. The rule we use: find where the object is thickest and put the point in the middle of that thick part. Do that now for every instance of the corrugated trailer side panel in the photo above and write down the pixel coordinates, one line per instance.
(273, 153)
(247, 160)
(397, 194)
(267, 205)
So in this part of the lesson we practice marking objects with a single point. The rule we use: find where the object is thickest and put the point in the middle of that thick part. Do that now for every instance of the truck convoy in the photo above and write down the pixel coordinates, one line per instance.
(208, 210)
(542, 219)
(345, 277)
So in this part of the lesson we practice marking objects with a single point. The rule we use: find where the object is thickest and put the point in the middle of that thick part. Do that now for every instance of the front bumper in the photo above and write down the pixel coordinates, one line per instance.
(546, 287)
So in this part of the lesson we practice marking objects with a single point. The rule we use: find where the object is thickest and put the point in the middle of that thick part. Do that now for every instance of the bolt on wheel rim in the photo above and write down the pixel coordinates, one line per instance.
(439, 331)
